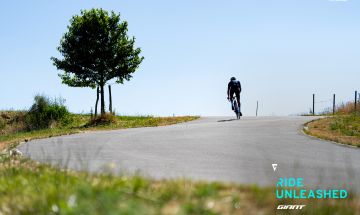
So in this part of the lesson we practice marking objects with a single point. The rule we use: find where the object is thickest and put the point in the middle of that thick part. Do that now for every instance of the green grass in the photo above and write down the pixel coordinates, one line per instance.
(341, 128)
(29, 188)
(348, 125)
(39, 189)
(14, 132)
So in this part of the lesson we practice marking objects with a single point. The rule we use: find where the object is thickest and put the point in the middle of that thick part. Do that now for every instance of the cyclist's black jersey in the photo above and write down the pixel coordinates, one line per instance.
(234, 86)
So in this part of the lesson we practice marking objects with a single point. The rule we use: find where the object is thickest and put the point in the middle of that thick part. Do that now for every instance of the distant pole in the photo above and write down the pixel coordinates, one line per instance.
(110, 99)
(313, 112)
(257, 107)
(334, 104)
(355, 99)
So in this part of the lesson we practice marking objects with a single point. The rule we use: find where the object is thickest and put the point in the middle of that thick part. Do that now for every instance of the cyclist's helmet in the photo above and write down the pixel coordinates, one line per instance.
(232, 79)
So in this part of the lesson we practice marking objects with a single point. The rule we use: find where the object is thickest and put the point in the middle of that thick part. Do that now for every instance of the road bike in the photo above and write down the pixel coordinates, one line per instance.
(235, 107)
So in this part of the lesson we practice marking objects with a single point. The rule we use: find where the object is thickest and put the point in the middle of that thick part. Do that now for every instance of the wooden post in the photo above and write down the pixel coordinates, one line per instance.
(110, 99)
(97, 100)
(257, 107)
(313, 112)
(334, 104)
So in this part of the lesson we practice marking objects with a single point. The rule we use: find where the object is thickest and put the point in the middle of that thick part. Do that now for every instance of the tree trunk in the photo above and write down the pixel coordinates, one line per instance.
(102, 104)
(110, 99)
(97, 100)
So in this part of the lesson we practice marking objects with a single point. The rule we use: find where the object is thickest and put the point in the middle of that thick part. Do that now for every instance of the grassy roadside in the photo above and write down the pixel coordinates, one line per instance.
(343, 129)
(28, 188)
(13, 133)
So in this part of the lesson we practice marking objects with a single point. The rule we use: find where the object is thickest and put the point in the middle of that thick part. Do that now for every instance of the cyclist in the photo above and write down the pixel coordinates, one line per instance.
(234, 87)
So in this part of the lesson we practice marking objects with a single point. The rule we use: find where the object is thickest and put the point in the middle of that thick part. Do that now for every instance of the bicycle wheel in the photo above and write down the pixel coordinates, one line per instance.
(236, 109)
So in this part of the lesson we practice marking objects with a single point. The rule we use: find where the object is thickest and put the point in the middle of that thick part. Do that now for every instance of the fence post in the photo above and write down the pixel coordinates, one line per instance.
(334, 104)
(257, 107)
(313, 112)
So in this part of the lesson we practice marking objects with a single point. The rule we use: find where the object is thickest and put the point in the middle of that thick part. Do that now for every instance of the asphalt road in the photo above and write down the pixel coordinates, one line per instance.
(213, 148)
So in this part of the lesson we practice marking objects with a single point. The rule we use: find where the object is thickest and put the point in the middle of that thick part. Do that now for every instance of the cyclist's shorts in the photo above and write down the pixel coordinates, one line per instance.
(236, 92)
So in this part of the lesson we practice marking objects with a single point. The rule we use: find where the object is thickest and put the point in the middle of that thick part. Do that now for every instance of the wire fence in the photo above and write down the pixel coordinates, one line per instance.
(331, 104)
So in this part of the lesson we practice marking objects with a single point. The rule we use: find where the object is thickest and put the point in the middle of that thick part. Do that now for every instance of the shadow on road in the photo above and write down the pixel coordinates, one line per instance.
(226, 120)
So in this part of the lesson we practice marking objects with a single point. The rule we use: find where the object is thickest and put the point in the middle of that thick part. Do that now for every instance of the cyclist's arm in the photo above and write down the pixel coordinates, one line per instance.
(228, 90)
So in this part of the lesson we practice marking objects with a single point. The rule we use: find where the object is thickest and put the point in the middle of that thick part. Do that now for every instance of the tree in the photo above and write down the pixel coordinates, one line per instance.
(96, 49)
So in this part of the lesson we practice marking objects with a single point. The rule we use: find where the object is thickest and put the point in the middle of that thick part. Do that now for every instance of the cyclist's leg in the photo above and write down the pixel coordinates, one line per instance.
(238, 101)
(238, 98)
(231, 99)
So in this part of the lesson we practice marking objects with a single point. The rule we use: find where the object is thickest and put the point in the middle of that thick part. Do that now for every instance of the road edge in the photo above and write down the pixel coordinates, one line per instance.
(306, 132)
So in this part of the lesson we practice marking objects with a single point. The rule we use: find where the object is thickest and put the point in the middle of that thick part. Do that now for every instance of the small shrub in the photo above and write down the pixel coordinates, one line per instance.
(2, 123)
(47, 113)
(12, 121)
(18, 117)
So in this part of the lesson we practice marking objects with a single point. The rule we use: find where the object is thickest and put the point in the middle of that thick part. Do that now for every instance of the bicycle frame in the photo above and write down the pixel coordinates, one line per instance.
(235, 106)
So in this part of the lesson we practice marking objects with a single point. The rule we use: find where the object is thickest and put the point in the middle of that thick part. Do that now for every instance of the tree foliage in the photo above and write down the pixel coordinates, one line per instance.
(96, 49)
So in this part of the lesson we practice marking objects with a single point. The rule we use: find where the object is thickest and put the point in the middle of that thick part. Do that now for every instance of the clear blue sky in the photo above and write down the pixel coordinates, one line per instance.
(282, 52)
